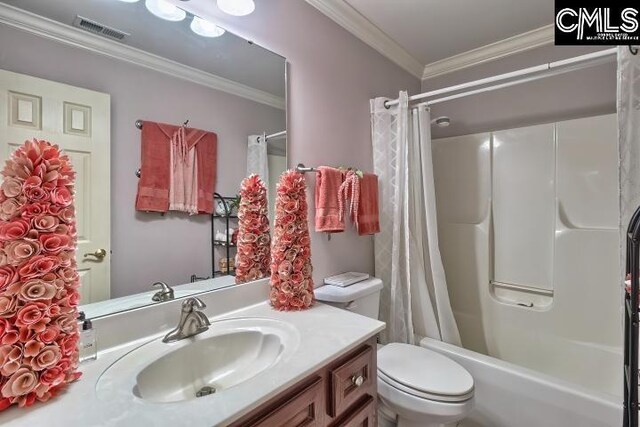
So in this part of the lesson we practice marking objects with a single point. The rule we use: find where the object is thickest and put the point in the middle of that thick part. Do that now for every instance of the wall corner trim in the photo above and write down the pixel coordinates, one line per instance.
(351, 20)
(500, 49)
(71, 36)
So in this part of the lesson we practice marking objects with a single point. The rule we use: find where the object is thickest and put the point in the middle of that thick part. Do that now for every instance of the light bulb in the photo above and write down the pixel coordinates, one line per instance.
(165, 10)
(204, 28)
(236, 7)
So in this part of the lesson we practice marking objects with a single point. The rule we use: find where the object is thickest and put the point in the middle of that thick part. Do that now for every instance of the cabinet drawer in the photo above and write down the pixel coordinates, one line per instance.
(362, 415)
(300, 409)
(351, 380)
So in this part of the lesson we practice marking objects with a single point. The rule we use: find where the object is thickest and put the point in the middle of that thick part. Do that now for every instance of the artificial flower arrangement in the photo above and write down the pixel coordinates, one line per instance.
(254, 240)
(291, 281)
(38, 277)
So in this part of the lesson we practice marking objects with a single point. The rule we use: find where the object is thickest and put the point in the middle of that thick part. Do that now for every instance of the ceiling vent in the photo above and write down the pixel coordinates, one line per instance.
(98, 28)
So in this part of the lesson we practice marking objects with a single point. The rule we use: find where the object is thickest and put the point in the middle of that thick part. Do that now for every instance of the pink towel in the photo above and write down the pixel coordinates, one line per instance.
(349, 196)
(368, 218)
(207, 157)
(153, 185)
(328, 216)
(183, 182)
(162, 145)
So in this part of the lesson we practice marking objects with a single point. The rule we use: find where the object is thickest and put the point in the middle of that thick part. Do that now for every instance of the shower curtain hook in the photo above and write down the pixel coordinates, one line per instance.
(633, 50)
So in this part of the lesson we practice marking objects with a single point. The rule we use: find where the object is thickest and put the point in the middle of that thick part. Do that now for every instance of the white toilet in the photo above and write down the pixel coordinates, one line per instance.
(416, 387)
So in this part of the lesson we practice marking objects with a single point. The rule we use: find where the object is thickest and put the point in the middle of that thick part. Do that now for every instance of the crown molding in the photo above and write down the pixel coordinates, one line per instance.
(65, 34)
(351, 20)
(516, 44)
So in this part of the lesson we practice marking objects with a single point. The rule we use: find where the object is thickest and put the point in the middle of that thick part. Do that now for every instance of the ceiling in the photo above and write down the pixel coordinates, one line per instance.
(431, 30)
(418, 33)
(228, 56)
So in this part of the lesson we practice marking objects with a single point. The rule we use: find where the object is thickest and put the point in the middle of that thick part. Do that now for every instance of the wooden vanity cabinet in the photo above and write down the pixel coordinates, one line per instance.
(341, 394)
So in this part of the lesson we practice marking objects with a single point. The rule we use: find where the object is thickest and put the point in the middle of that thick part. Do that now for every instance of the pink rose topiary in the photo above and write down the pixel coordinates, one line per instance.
(253, 257)
(38, 278)
(291, 281)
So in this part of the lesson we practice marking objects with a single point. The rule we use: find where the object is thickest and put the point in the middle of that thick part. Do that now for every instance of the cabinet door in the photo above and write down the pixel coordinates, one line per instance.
(352, 379)
(301, 409)
(363, 415)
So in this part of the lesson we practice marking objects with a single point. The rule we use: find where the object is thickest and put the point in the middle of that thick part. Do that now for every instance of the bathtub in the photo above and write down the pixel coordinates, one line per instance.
(508, 395)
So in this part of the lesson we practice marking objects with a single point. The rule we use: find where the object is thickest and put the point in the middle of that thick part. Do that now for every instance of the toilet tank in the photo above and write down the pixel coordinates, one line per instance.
(361, 298)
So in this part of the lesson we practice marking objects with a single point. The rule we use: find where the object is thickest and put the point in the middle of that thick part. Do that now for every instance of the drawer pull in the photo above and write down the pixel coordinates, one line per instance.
(357, 380)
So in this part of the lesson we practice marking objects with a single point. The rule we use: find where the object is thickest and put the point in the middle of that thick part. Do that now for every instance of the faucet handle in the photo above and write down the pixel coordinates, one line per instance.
(193, 302)
(164, 286)
(165, 294)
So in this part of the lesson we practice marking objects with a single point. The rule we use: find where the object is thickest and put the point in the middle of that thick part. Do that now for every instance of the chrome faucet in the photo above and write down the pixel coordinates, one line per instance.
(164, 294)
(192, 321)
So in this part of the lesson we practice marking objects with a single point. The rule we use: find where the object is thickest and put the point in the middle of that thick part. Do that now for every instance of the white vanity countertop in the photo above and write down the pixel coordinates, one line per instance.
(325, 333)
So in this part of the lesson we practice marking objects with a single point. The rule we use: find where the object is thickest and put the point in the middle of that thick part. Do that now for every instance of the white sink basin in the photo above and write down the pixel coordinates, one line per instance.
(229, 353)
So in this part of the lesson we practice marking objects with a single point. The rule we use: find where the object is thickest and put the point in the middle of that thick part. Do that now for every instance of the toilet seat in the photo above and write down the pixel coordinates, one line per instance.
(424, 373)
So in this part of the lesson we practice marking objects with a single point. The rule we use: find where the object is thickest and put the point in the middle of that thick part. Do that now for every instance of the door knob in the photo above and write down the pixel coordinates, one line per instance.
(99, 254)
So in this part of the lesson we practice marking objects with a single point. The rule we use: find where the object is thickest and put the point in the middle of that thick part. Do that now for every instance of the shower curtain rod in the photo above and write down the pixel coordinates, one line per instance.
(526, 75)
(275, 135)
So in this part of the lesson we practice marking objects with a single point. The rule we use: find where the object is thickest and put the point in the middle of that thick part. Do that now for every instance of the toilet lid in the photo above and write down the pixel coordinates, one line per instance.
(424, 373)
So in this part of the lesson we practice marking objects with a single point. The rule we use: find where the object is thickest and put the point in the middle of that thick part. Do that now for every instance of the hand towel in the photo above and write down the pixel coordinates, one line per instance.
(328, 216)
(206, 159)
(154, 182)
(368, 214)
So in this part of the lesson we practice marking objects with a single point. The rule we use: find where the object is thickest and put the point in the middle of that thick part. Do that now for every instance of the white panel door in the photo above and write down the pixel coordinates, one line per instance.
(77, 120)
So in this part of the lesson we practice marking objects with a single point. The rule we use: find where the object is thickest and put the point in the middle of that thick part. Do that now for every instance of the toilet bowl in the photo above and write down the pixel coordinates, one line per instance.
(417, 387)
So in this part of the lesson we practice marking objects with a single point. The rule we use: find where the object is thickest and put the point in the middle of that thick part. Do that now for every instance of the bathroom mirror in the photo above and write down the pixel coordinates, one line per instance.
(88, 75)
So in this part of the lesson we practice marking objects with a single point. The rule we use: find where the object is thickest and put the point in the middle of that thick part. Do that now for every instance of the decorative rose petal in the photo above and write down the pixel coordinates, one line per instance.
(13, 230)
(36, 289)
(18, 251)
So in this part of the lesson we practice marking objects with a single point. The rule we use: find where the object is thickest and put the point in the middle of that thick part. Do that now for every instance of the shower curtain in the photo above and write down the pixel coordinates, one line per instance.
(257, 160)
(414, 301)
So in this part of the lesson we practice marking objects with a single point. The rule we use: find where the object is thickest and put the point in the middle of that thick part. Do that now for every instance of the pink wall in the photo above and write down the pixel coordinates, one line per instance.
(332, 76)
(145, 246)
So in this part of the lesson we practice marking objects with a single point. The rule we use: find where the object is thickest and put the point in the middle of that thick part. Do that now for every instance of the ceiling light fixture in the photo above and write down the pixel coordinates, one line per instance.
(204, 28)
(130, 1)
(165, 10)
(236, 7)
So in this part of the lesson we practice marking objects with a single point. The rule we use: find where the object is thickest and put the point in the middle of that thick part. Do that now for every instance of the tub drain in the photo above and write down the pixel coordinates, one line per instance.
(205, 391)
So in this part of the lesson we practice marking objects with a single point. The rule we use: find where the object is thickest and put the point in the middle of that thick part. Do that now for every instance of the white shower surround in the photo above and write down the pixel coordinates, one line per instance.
(577, 337)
